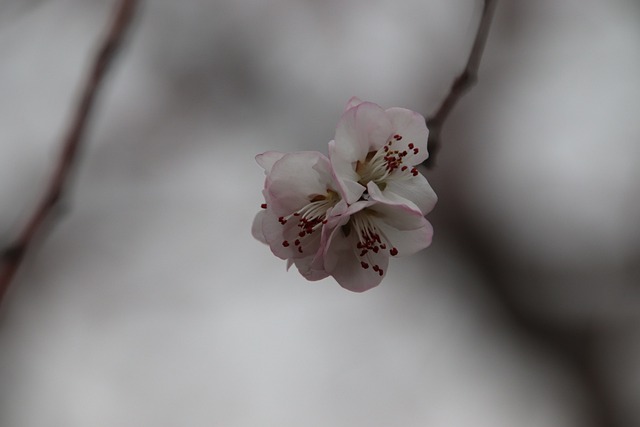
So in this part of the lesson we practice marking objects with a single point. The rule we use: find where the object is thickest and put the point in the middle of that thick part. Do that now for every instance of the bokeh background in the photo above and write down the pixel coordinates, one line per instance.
(149, 303)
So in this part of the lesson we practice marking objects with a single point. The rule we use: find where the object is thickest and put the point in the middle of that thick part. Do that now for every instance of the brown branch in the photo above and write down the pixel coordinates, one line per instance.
(465, 81)
(12, 256)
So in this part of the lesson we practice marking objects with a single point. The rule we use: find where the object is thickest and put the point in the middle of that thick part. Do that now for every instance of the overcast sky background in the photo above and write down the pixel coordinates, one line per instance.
(149, 303)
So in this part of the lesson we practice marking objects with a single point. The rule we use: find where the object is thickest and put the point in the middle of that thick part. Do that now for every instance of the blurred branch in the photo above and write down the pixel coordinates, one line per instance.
(575, 347)
(461, 84)
(12, 256)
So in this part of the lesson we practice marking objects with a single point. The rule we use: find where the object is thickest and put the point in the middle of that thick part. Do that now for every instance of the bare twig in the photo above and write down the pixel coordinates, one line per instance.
(12, 256)
(462, 83)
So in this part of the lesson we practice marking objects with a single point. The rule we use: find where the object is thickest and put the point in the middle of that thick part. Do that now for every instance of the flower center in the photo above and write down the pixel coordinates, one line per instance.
(371, 239)
(378, 165)
(309, 219)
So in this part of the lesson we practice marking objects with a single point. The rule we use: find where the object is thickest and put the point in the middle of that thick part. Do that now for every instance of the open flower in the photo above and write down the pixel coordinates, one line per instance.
(377, 149)
(346, 215)
(299, 193)
(358, 240)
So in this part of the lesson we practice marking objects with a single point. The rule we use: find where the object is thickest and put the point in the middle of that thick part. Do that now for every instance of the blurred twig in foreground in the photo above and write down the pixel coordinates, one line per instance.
(12, 256)
(461, 84)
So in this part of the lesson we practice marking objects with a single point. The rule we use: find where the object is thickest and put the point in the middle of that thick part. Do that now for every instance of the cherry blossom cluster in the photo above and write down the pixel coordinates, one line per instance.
(346, 215)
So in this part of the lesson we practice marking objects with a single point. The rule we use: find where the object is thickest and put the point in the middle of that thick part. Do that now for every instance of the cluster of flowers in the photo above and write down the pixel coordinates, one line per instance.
(345, 215)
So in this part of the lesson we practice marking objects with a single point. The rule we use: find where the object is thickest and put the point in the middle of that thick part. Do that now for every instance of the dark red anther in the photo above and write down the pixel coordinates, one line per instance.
(364, 265)
(263, 206)
(411, 145)
(393, 251)
(285, 244)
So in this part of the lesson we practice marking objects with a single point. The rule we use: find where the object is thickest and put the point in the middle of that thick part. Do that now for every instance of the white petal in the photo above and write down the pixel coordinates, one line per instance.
(389, 197)
(267, 159)
(345, 175)
(308, 245)
(295, 178)
(405, 228)
(307, 268)
(408, 242)
(360, 130)
(256, 227)
(415, 189)
(399, 216)
(343, 264)
(273, 233)
(354, 101)
(413, 129)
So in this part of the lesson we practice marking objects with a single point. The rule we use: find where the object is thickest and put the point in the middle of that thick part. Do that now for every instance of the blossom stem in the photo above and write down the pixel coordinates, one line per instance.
(462, 83)
(12, 256)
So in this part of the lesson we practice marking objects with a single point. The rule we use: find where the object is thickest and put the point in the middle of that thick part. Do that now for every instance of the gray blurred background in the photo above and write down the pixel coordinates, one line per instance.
(149, 303)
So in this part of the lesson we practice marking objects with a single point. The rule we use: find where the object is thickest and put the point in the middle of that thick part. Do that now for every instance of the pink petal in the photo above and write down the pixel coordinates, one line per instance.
(307, 268)
(342, 263)
(407, 230)
(361, 129)
(413, 129)
(267, 159)
(345, 176)
(256, 227)
(295, 178)
(408, 242)
(414, 191)
(354, 101)
(399, 216)
(273, 233)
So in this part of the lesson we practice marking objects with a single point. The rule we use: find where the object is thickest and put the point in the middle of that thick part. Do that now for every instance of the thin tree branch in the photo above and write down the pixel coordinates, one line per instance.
(12, 256)
(465, 81)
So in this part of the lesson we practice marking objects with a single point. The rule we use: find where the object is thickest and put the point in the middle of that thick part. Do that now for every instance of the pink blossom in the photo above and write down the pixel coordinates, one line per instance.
(347, 215)
(377, 151)
(299, 193)
(359, 239)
